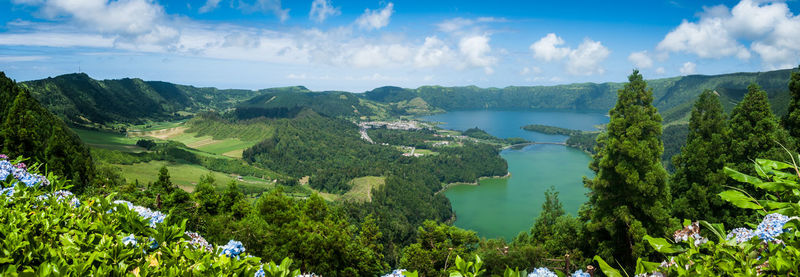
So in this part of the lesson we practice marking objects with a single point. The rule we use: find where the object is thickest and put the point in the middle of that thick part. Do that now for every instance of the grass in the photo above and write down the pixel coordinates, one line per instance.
(185, 176)
(361, 190)
(108, 140)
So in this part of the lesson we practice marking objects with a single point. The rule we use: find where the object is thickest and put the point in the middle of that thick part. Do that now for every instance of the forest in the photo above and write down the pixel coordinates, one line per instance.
(730, 207)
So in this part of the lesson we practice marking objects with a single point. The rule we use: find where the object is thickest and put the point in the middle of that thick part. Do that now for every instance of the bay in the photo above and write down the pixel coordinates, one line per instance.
(505, 207)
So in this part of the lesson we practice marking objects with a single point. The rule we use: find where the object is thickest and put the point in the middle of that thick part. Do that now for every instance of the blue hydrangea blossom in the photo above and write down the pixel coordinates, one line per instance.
(396, 273)
(542, 272)
(129, 240)
(232, 249)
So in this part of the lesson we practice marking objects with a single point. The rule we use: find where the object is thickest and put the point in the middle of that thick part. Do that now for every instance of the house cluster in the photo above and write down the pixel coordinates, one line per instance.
(394, 125)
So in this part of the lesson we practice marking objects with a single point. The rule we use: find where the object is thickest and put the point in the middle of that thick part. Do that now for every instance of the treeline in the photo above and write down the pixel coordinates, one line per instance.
(28, 129)
(331, 153)
(550, 130)
(415, 138)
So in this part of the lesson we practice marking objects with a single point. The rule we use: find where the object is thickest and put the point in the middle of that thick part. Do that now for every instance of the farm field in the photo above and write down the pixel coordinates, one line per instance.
(362, 188)
(184, 175)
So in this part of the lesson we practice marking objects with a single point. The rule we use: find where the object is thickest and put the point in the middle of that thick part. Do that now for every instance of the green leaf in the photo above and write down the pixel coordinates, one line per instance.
(741, 177)
(645, 266)
(739, 199)
(607, 269)
(662, 245)
(773, 164)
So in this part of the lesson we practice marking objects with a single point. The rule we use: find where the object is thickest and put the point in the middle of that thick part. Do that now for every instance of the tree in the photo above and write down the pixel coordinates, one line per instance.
(755, 132)
(699, 175)
(791, 121)
(629, 195)
(163, 184)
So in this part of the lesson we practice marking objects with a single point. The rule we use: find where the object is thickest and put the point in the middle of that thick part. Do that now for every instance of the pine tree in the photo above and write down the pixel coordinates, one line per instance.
(629, 195)
(755, 132)
(699, 167)
(791, 121)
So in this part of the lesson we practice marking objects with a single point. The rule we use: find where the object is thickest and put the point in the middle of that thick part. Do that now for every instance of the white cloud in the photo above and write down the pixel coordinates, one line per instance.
(530, 70)
(322, 9)
(433, 52)
(641, 59)
(209, 6)
(768, 26)
(265, 6)
(460, 23)
(547, 49)
(587, 58)
(688, 68)
(584, 60)
(373, 20)
(660, 70)
(476, 50)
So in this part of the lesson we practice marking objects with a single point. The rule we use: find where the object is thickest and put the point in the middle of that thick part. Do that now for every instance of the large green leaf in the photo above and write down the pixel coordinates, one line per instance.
(662, 245)
(739, 199)
(607, 269)
(741, 177)
(773, 164)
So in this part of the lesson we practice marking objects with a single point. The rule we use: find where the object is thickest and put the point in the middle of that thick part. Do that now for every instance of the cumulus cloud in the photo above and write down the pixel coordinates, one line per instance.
(373, 20)
(688, 68)
(660, 70)
(584, 60)
(433, 52)
(641, 60)
(768, 26)
(459, 23)
(476, 50)
(547, 48)
(209, 6)
(322, 9)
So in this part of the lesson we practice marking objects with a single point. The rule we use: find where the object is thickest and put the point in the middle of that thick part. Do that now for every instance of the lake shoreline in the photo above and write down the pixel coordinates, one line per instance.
(476, 183)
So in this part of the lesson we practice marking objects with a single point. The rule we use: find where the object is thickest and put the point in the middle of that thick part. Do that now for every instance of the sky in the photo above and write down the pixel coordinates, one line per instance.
(360, 45)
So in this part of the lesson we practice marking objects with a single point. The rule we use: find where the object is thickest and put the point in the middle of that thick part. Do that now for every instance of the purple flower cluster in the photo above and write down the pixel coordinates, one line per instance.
(20, 173)
(768, 230)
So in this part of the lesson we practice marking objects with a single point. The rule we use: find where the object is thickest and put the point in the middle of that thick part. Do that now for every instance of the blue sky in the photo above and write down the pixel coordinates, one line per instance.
(360, 45)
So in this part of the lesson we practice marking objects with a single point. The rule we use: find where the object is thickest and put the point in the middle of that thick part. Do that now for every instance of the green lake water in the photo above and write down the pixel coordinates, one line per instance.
(505, 207)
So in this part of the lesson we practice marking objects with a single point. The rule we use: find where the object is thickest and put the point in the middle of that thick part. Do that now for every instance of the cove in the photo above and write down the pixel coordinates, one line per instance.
(504, 207)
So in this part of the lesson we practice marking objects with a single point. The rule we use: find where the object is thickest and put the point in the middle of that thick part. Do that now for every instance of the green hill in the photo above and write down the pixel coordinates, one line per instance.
(82, 101)
(28, 129)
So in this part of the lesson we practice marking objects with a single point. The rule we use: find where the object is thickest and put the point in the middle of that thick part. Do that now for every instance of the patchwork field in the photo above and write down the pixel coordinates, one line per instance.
(362, 188)
(107, 140)
(185, 176)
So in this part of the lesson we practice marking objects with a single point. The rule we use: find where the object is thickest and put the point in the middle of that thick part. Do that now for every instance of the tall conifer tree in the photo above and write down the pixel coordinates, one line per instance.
(699, 167)
(755, 132)
(629, 195)
(791, 121)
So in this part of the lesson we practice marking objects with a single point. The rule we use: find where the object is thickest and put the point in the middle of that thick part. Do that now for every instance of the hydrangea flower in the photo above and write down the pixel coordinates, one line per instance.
(130, 240)
(154, 217)
(3, 156)
(580, 273)
(198, 241)
(653, 274)
(260, 272)
(396, 273)
(542, 272)
(153, 243)
(233, 249)
(8, 192)
(741, 234)
(771, 227)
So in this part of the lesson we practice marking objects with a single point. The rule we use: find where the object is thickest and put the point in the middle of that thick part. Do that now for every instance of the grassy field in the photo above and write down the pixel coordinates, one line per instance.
(185, 176)
(362, 188)
(108, 140)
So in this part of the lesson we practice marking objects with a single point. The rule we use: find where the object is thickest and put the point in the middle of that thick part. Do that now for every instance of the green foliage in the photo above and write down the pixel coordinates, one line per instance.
(415, 138)
(436, 247)
(467, 269)
(773, 249)
(27, 129)
(478, 134)
(289, 104)
(83, 101)
(550, 130)
(630, 196)
(54, 237)
(698, 177)
(791, 121)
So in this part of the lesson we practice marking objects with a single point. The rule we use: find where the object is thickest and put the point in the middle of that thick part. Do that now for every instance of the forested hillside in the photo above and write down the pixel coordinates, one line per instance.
(82, 101)
(28, 129)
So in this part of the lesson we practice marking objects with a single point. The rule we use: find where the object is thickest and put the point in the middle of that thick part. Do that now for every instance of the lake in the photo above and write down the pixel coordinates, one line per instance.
(505, 207)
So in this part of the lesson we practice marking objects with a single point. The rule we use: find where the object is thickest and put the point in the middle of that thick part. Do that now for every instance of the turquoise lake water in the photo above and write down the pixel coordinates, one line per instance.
(505, 207)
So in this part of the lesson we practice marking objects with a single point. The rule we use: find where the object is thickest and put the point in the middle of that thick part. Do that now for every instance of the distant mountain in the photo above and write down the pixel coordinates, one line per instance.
(28, 130)
(290, 101)
(673, 96)
(83, 101)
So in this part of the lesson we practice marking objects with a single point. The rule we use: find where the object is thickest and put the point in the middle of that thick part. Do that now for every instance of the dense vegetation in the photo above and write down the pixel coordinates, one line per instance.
(28, 129)
(550, 130)
(82, 101)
